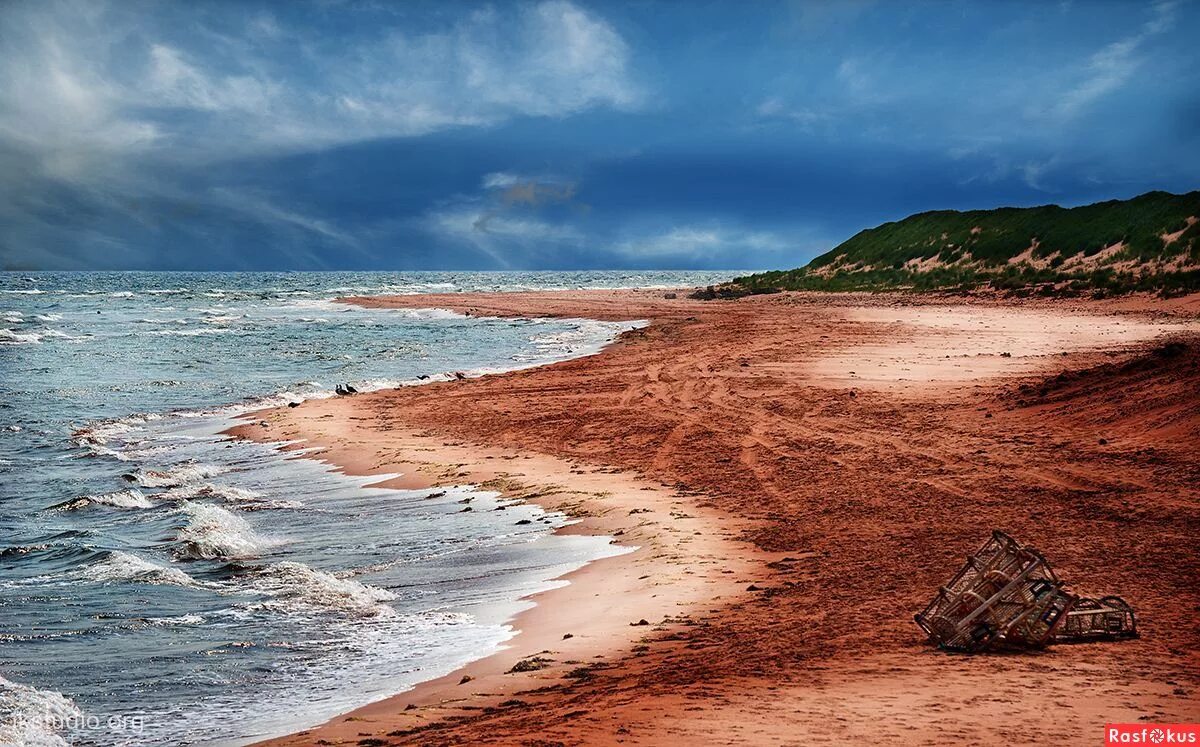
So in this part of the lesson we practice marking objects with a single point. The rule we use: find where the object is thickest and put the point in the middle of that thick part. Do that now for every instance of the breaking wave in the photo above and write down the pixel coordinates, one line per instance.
(118, 566)
(175, 476)
(212, 532)
(30, 717)
(131, 498)
(227, 493)
(8, 337)
(297, 587)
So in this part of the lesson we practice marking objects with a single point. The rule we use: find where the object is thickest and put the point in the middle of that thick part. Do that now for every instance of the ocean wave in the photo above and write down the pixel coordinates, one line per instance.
(18, 550)
(180, 620)
(101, 432)
(126, 455)
(57, 334)
(119, 566)
(329, 305)
(180, 474)
(48, 317)
(8, 337)
(212, 532)
(30, 717)
(148, 320)
(227, 493)
(298, 587)
(120, 499)
(189, 332)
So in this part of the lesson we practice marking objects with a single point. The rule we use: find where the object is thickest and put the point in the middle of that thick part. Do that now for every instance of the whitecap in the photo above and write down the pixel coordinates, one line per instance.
(298, 587)
(228, 493)
(58, 334)
(119, 566)
(8, 337)
(180, 474)
(189, 332)
(30, 717)
(180, 620)
(120, 499)
(211, 532)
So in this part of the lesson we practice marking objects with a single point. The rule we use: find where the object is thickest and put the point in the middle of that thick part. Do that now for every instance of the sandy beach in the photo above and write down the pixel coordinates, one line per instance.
(793, 476)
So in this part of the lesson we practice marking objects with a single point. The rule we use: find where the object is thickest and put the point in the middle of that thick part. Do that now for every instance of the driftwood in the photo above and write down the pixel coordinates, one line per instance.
(1006, 595)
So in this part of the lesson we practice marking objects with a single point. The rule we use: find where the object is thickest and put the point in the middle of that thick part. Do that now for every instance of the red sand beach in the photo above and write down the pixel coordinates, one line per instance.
(796, 474)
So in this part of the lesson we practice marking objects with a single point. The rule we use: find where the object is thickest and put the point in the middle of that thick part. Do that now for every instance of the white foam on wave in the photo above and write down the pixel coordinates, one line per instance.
(212, 532)
(60, 335)
(584, 337)
(8, 337)
(120, 566)
(228, 493)
(180, 474)
(329, 305)
(180, 620)
(48, 317)
(178, 320)
(189, 332)
(298, 587)
(120, 499)
(30, 717)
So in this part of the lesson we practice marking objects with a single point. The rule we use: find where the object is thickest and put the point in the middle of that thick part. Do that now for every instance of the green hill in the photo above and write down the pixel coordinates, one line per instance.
(1149, 243)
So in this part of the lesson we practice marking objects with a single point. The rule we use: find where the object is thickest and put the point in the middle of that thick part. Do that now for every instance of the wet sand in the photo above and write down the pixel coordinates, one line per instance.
(795, 475)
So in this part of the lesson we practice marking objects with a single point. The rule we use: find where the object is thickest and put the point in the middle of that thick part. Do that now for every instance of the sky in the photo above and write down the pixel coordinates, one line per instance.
(565, 134)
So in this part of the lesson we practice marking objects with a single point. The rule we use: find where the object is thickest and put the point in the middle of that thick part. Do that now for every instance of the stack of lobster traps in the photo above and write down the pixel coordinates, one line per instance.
(1007, 596)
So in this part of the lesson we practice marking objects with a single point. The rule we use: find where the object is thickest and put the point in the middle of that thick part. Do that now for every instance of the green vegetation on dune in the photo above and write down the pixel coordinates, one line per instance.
(1109, 247)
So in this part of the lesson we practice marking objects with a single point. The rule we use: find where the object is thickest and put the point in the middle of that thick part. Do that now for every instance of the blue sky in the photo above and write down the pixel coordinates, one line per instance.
(565, 135)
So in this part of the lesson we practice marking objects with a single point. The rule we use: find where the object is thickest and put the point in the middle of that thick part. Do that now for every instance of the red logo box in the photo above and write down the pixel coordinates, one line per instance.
(1151, 734)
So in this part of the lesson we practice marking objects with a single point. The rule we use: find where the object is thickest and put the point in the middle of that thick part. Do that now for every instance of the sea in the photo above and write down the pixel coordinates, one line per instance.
(163, 584)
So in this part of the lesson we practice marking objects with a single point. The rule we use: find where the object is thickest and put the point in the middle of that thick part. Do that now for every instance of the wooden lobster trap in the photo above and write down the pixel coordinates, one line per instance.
(1005, 594)
(1098, 619)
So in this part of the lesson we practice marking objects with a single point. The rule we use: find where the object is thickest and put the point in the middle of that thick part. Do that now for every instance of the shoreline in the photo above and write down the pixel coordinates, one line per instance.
(539, 629)
(738, 563)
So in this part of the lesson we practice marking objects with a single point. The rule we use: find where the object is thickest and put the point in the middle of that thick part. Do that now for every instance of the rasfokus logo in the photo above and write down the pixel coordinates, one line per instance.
(1151, 734)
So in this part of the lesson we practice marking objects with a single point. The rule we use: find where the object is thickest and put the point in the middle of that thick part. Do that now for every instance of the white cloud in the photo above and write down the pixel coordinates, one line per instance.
(114, 78)
(851, 74)
(500, 180)
(114, 98)
(702, 242)
(497, 235)
(804, 118)
(1112, 67)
